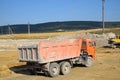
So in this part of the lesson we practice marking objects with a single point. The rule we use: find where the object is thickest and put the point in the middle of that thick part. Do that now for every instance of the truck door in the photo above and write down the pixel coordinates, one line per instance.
(91, 47)
(84, 47)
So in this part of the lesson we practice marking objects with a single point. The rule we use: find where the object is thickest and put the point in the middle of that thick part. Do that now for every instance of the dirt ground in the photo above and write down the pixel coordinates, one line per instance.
(106, 67)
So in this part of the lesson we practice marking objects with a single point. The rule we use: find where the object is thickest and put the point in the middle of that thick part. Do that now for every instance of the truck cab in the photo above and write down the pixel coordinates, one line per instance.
(88, 46)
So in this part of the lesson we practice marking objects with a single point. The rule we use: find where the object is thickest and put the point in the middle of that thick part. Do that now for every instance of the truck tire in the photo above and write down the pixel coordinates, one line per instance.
(54, 70)
(89, 61)
(65, 68)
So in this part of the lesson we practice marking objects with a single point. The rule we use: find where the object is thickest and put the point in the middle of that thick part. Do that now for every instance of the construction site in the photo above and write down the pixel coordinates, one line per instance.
(106, 66)
(77, 49)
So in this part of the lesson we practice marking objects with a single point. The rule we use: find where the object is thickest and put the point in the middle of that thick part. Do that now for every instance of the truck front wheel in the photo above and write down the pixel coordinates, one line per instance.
(54, 70)
(89, 62)
(65, 68)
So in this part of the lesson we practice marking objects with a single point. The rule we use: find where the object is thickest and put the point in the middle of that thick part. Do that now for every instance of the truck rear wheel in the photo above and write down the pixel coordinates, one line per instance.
(65, 68)
(89, 61)
(54, 70)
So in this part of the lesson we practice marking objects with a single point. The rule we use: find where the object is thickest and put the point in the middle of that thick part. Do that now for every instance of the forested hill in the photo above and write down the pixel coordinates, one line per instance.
(56, 26)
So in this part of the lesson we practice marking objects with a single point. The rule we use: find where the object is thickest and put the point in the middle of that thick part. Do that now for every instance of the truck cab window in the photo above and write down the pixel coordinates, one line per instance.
(83, 43)
(92, 44)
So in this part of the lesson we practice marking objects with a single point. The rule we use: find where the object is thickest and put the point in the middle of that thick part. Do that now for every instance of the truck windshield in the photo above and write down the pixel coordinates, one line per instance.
(83, 43)
(92, 44)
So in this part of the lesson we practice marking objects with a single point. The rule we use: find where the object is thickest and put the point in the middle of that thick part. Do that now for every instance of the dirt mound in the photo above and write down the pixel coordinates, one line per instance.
(100, 39)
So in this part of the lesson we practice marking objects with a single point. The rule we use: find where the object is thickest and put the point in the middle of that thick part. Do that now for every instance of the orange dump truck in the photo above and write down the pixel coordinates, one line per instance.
(57, 56)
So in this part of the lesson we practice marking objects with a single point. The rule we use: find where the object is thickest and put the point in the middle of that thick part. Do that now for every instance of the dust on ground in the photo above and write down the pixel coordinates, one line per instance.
(106, 66)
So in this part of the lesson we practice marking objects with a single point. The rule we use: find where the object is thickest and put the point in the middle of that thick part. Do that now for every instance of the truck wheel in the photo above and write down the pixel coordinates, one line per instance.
(65, 68)
(54, 70)
(89, 62)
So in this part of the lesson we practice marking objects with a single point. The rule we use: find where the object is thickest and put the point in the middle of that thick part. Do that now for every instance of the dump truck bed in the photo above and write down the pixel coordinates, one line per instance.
(50, 50)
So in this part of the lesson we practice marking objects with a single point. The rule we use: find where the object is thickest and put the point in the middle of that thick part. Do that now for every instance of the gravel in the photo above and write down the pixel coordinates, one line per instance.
(100, 39)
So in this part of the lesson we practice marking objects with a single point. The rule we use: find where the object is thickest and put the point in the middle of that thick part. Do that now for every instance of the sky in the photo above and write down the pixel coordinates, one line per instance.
(41, 11)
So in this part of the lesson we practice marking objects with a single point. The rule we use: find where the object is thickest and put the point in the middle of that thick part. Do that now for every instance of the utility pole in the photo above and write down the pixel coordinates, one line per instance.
(9, 30)
(28, 29)
(103, 24)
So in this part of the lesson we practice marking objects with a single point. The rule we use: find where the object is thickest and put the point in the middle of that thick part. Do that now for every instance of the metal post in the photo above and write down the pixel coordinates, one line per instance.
(28, 29)
(103, 24)
(8, 29)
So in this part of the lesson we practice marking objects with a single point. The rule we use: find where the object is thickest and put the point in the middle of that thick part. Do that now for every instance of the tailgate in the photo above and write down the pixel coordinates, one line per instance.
(28, 53)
